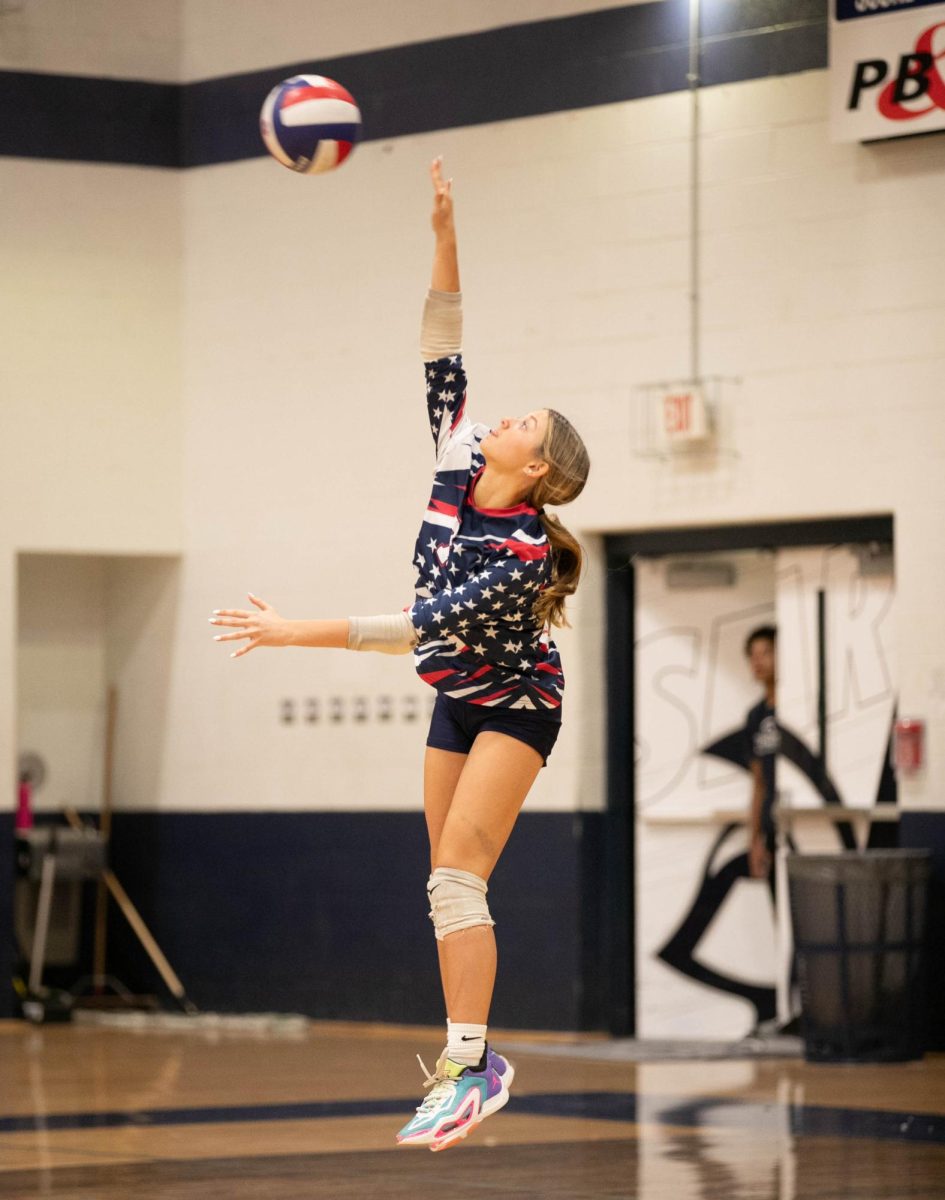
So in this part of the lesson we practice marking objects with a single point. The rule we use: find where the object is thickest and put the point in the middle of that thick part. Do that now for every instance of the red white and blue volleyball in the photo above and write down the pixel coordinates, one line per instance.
(310, 123)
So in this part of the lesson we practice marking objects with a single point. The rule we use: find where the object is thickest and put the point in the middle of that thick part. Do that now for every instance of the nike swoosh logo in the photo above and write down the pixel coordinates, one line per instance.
(469, 1039)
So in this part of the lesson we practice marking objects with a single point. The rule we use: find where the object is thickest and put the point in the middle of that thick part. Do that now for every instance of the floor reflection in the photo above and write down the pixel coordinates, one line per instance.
(718, 1148)
(107, 1115)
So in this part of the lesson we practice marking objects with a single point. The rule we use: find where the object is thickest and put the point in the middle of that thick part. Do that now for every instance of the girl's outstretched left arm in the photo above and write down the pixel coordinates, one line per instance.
(267, 628)
(386, 634)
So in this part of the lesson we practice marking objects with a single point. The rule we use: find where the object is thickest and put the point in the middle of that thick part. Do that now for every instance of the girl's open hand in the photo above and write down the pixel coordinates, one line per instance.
(263, 628)
(442, 219)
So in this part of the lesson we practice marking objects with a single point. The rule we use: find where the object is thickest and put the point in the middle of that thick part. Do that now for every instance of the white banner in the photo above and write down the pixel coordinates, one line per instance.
(887, 68)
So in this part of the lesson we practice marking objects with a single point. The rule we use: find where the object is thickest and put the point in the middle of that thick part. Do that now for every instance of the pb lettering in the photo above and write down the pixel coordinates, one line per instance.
(913, 79)
(918, 77)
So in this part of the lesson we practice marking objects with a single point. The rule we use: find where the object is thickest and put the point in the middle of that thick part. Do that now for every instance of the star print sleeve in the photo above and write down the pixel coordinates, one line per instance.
(446, 399)
(504, 591)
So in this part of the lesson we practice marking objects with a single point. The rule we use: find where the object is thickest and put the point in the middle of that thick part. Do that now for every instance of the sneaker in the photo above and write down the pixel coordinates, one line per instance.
(502, 1067)
(459, 1098)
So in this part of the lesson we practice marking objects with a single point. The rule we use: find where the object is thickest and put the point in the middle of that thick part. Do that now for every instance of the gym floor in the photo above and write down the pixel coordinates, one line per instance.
(310, 1110)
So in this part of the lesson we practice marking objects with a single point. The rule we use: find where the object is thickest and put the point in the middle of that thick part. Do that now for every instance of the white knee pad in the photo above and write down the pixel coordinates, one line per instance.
(457, 901)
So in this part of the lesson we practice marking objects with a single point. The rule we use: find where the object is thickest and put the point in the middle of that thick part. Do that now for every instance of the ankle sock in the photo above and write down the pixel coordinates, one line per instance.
(465, 1044)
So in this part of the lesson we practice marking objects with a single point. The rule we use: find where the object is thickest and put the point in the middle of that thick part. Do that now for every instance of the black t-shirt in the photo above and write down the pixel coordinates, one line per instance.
(762, 742)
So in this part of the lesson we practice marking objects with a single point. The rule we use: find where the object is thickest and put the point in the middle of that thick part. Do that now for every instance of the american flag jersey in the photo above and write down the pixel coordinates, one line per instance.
(478, 574)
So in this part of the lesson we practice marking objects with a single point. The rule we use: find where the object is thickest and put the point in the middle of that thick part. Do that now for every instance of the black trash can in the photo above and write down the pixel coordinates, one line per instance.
(859, 931)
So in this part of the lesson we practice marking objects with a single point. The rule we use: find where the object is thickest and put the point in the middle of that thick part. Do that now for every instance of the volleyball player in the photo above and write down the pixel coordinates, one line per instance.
(494, 570)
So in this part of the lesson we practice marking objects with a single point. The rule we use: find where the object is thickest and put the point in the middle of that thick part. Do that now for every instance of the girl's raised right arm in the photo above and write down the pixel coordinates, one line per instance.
(445, 275)
(441, 331)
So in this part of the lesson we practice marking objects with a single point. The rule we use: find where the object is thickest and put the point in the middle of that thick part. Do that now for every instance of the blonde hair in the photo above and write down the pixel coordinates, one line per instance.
(568, 467)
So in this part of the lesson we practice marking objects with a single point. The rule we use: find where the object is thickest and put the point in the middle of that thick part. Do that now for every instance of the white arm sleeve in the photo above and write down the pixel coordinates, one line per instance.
(390, 634)
(441, 332)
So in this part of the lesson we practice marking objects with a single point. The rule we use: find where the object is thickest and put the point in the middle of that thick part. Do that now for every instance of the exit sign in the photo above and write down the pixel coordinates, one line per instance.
(684, 419)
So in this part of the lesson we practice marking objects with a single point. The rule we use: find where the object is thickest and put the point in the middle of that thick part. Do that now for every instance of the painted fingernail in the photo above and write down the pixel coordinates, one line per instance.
(219, 637)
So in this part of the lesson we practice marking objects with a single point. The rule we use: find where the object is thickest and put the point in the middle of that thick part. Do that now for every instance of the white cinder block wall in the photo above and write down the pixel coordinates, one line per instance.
(818, 291)
(90, 401)
(222, 364)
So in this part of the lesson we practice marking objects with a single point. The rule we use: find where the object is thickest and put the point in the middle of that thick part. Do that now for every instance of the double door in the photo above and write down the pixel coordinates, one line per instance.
(708, 955)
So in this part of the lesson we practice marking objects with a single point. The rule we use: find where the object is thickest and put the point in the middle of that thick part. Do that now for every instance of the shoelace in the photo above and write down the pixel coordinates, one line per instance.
(439, 1083)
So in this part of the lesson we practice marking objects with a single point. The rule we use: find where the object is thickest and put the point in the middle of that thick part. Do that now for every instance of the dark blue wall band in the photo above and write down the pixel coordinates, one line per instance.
(926, 831)
(7, 951)
(80, 119)
(519, 71)
(326, 914)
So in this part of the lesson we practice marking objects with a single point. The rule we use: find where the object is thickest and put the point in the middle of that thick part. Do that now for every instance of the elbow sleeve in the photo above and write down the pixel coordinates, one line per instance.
(389, 634)
(441, 332)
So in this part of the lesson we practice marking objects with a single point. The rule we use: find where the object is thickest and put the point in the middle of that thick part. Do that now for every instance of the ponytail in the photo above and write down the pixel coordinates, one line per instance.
(567, 562)
(568, 467)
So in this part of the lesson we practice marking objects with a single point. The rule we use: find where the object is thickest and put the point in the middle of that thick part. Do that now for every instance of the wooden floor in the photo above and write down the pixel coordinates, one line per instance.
(94, 1114)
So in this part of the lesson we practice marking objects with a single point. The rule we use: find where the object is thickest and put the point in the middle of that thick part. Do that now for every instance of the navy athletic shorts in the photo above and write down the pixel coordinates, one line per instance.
(456, 723)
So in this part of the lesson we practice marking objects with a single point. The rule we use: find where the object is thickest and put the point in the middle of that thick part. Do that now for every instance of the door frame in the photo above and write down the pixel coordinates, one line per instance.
(618, 932)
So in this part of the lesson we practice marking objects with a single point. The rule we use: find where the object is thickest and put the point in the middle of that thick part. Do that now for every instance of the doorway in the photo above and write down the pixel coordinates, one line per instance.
(691, 936)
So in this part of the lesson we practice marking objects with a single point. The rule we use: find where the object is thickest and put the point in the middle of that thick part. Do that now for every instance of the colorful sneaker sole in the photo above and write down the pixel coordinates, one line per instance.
(455, 1136)
(505, 1073)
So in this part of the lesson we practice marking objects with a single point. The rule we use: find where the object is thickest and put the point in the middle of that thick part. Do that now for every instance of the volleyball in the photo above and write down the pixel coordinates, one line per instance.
(310, 123)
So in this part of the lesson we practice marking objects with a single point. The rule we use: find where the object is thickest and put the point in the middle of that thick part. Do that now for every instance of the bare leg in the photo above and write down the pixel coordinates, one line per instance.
(488, 793)
(441, 772)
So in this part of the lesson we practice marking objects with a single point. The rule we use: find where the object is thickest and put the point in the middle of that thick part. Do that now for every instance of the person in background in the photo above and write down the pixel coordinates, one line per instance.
(763, 742)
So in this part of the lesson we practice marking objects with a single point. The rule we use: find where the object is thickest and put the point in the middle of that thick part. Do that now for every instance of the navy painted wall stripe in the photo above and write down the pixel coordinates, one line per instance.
(326, 914)
(926, 831)
(89, 120)
(7, 1003)
(518, 71)
(689, 1112)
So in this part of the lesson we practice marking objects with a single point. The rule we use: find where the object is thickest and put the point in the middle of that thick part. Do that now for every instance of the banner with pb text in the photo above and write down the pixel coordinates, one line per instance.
(887, 68)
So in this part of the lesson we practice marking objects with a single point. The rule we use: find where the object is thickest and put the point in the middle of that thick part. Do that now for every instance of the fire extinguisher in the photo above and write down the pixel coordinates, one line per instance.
(908, 745)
